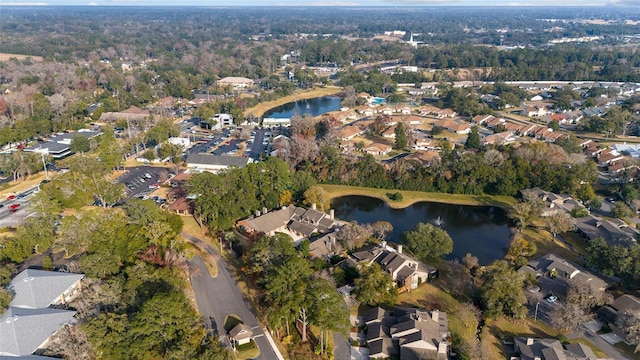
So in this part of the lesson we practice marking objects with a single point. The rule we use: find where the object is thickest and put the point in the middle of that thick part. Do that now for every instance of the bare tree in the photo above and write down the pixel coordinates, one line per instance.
(559, 222)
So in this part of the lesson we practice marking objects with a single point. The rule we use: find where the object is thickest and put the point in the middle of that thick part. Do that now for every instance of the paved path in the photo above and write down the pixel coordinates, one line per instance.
(220, 296)
(341, 347)
(599, 342)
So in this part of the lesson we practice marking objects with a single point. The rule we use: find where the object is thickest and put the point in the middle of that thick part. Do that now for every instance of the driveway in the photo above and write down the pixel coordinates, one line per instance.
(218, 297)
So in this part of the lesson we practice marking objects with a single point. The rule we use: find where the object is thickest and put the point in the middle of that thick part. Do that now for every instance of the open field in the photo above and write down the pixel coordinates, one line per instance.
(411, 197)
(6, 57)
(261, 108)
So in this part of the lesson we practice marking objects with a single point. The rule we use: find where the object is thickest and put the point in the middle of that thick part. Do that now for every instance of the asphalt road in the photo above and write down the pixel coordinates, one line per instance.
(8, 218)
(218, 297)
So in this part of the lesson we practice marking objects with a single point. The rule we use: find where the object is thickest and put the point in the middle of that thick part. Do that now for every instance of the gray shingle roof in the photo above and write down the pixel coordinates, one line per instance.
(23, 330)
(217, 160)
(38, 288)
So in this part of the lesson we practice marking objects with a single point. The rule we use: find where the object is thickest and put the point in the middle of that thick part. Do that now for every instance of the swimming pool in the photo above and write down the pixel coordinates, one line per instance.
(377, 100)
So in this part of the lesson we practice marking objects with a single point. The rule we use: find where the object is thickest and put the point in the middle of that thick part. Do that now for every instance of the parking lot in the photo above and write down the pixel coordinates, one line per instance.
(540, 299)
(142, 180)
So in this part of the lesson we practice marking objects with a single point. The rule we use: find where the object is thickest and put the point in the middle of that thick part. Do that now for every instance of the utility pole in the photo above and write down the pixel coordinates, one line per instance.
(535, 316)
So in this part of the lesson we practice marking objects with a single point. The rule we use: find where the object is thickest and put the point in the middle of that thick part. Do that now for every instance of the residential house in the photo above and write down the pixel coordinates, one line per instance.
(36, 289)
(446, 113)
(623, 304)
(23, 331)
(553, 202)
(454, 126)
(494, 121)
(181, 206)
(29, 322)
(481, 119)
(349, 132)
(425, 143)
(407, 334)
(295, 221)
(555, 266)
(561, 119)
(412, 120)
(502, 138)
(241, 334)
(536, 109)
(551, 136)
(386, 110)
(390, 133)
(613, 231)
(632, 149)
(550, 349)
(608, 156)
(403, 109)
(405, 270)
(367, 111)
(325, 246)
(377, 149)
(215, 163)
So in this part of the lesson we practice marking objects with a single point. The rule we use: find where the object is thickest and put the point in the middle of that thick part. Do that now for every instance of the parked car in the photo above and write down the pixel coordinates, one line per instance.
(551, 299)
(534, 289)
(147, 175)
(14, 206)
(11, 197)
(21, 195)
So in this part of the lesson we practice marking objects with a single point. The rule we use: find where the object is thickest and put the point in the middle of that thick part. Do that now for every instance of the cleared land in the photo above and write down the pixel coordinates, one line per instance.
(261, 108)
(411, 197)
(6, 57)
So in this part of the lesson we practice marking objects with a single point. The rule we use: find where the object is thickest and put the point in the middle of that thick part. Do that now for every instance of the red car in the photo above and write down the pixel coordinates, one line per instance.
(11, 197)
(14, 206)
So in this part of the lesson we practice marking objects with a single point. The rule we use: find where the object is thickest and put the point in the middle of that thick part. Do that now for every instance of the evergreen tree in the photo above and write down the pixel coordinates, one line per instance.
(401, 137)
(473, 140)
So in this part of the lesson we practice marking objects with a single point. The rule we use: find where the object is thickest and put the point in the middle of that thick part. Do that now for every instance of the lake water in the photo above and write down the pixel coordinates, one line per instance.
(480, 230)
(314, 107)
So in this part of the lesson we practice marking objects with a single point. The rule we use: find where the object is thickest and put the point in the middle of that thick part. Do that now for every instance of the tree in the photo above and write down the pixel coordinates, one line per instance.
(353, 236)
(427, 241)
(519, 250)
(559, 222)
(401, 137)
(526, 211)
(620, 210)
(375, 286)
(79, 143)
(501, 291)
(629, 323)
(316, 195)
(554, 125)
(473, 139)
(285, 288)
(469, 261)
(328, 310)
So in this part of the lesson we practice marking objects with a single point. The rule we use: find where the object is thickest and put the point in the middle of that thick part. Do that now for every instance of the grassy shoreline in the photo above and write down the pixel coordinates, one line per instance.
(261, 108)
(411, 197)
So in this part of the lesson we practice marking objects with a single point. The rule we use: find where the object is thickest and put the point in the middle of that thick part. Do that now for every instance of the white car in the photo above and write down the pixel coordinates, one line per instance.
(551, 299)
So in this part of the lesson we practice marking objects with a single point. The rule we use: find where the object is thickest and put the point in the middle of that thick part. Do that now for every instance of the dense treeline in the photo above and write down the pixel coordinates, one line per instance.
(487, 171)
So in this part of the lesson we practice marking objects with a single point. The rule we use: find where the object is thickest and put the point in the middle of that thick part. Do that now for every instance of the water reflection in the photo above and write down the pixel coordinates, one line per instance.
(314, 107)
(480, 230)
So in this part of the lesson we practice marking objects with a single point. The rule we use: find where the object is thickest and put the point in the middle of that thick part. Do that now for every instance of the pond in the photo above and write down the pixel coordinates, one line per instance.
(314, 107)
(480, 230)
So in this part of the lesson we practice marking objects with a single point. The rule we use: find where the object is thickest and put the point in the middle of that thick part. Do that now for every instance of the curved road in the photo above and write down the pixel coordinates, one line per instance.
(220, 296)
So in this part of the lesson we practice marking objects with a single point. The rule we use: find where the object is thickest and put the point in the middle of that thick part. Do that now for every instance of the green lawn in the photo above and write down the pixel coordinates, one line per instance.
(247, 351)
(412, 197)
(628, 350)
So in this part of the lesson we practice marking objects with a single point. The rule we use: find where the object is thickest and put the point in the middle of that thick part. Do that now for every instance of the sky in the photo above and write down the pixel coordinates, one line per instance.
(320, 2)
